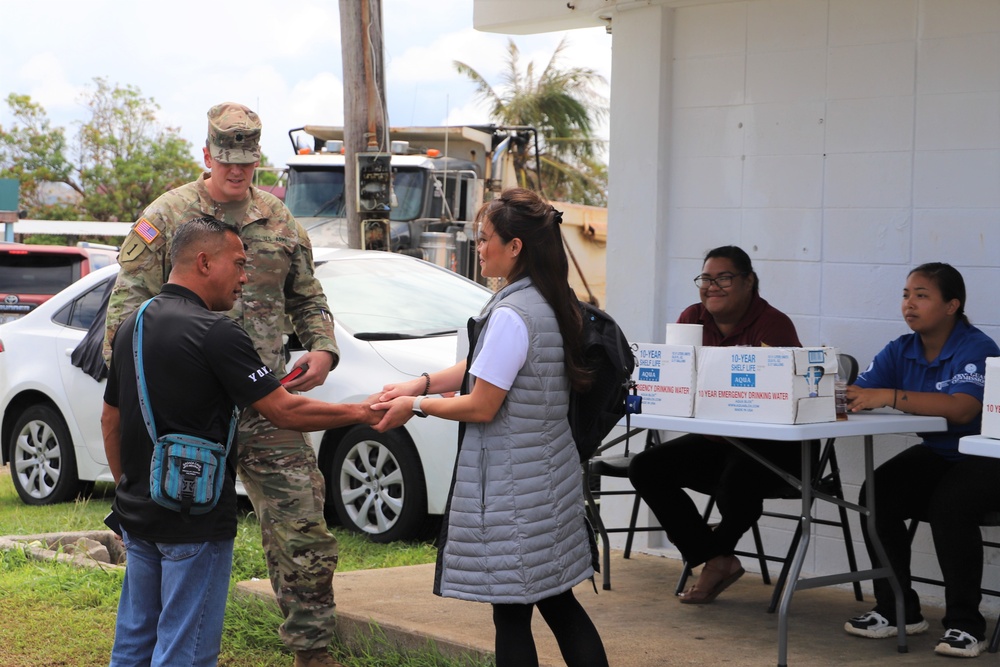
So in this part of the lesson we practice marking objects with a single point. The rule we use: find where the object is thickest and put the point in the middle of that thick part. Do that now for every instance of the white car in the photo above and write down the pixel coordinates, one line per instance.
(396, 317)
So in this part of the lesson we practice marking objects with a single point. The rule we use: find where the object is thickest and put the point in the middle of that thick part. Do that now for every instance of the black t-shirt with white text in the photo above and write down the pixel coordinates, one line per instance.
(198, 364)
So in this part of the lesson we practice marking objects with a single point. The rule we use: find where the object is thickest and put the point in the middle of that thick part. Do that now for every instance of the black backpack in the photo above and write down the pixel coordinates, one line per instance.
(607, 353)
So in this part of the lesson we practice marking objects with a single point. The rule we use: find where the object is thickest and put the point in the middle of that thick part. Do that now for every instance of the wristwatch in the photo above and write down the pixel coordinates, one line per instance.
(416, 406)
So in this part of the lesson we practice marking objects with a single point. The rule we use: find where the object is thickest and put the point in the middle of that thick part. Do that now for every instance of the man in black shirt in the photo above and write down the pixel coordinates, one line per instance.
(198, 365)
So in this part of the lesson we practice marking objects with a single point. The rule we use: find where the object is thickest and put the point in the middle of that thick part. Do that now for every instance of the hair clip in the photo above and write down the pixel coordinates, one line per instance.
(556, 215)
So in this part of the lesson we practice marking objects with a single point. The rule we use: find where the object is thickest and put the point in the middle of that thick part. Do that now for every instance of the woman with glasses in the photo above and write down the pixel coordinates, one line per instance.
(731, 312)
(937, 370)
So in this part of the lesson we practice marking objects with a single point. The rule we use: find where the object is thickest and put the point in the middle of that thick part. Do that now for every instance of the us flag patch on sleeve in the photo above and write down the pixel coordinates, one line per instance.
(146, 231)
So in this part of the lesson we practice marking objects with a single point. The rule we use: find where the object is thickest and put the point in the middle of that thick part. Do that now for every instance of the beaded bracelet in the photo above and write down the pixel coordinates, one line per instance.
(427, 387)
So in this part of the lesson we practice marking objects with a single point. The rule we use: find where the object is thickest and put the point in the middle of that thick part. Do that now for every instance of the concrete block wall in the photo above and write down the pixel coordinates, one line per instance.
(841, 143)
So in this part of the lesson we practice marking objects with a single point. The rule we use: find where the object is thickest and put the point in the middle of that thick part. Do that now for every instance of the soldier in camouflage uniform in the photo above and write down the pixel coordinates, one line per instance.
(278, 467)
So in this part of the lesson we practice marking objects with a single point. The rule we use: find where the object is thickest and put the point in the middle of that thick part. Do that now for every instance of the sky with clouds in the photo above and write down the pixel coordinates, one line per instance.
(282, 59)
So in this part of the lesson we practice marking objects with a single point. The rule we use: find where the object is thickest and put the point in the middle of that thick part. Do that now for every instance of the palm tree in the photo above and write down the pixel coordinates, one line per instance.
(564, 107)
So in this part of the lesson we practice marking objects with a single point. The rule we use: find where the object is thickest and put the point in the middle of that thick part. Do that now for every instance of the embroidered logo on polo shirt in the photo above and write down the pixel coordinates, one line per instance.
(969, 376)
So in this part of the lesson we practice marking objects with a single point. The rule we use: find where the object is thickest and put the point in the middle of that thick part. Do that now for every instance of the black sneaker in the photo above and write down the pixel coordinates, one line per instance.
(959, 644)
(874, 625)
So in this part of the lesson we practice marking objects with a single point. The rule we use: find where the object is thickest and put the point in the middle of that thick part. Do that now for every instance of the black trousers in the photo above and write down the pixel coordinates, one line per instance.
(952, 496)
(579, 641)
(740, 485)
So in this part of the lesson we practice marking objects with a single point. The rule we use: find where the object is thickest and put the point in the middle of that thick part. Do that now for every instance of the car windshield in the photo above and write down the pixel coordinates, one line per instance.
(318, 192)
(380, 296)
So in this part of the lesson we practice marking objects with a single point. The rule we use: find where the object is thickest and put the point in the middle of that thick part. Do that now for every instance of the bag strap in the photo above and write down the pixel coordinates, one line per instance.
(140, 380)
(140, 373)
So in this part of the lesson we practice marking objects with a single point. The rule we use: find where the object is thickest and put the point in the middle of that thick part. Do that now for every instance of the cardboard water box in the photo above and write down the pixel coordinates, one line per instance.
(665, 378)
(776, 385)
(991, 399)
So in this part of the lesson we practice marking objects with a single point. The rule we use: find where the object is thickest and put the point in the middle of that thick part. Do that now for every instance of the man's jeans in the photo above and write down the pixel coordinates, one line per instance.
(172, 604)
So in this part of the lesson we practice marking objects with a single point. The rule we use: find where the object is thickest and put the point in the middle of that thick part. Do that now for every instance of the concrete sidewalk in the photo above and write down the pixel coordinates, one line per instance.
(640, 620)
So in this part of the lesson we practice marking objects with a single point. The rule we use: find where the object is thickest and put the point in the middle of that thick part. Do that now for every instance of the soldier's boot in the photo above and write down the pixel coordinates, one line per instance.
(319, 657)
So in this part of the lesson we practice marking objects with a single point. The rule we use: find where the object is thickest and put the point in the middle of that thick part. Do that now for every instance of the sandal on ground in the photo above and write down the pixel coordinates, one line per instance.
(694, 595)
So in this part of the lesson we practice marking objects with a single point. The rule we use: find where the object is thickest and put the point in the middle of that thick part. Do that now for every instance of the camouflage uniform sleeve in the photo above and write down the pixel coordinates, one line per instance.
(305, 303)
(144, 269)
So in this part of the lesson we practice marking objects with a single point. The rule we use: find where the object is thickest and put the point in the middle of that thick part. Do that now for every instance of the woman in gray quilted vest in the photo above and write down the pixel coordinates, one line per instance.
(515, 534)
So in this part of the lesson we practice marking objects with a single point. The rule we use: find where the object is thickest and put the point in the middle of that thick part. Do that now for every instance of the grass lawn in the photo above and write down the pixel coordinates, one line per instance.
(58, 615)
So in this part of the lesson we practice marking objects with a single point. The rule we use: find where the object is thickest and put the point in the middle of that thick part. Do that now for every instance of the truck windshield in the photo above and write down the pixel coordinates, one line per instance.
(315, 192)
(318, 192)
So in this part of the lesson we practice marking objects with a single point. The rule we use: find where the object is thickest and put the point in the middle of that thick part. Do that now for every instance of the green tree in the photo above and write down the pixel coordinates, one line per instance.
(125, 159)
(120, 161)
(34, 152)
(564, 106)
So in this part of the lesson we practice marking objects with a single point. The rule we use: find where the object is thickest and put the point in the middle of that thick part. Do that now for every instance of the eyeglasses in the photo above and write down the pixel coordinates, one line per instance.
(721, 281)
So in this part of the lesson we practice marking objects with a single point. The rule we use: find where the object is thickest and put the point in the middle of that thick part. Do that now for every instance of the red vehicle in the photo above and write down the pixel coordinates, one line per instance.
(30, 274)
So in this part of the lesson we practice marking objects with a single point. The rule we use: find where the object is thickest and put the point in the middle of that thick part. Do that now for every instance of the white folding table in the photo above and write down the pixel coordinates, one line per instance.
(979, 445)
(865, 424)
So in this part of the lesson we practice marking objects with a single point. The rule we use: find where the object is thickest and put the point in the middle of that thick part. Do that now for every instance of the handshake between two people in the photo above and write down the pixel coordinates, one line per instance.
(291, 409)
(394, 404)
(389, 408)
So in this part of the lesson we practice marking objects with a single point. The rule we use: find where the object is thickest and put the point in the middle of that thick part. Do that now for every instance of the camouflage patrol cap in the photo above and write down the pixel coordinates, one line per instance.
(233, 134)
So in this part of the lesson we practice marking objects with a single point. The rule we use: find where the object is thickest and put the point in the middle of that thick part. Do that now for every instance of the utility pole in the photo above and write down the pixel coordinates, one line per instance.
(366, 134)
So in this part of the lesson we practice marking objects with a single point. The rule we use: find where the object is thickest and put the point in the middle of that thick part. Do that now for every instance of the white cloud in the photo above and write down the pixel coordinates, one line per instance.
(415, 22)
(435, 61)
(297, 30)
(46, 82)
(471, 113)
(289, 70)
(319, 101)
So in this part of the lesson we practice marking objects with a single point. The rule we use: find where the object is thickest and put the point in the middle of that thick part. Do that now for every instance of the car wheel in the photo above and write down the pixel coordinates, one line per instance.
(42, 463)
(376, 485)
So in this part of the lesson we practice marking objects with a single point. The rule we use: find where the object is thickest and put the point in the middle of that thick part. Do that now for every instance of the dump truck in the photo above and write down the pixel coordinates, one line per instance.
(440, 177)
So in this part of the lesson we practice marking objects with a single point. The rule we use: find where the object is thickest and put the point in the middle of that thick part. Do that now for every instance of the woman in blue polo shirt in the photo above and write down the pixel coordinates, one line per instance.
(937, 370)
